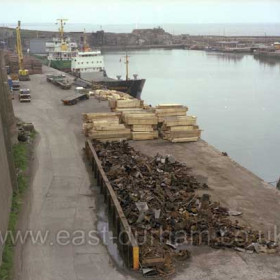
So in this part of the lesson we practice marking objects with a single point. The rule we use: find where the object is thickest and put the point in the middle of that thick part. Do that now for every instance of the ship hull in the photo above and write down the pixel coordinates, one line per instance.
(132, 87)
(62, 65)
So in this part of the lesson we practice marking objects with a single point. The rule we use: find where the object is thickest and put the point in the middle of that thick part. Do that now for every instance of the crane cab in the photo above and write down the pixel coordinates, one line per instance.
(23, 75)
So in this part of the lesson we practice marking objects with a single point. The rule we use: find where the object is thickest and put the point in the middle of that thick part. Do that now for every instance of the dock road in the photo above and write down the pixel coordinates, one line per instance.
(60, 197)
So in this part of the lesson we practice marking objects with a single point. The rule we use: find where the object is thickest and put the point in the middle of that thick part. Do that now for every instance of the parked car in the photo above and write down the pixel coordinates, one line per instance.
(24, 95)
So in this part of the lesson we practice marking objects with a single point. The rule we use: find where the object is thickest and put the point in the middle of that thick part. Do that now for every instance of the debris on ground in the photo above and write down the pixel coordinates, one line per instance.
(25, 131)
(165, 212)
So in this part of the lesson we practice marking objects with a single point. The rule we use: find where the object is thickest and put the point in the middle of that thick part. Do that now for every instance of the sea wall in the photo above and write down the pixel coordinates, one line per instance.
(137, 39)
(7, 170)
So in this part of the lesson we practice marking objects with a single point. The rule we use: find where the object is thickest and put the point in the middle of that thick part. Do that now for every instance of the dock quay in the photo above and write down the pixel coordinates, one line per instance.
(63, 197)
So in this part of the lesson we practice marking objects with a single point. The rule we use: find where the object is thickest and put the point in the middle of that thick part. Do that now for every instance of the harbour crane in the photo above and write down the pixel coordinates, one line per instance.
(23, 73)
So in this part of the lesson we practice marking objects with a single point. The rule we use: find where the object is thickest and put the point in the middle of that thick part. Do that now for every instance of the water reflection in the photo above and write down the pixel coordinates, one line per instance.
(236, 58)
(235, 97)
(230, 57)
(266, 60)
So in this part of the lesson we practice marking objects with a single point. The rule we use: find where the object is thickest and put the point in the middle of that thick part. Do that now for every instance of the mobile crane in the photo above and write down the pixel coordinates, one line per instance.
(22, 73)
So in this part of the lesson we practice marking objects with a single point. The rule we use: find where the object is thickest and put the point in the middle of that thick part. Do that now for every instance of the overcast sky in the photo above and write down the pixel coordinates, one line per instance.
(136, 11)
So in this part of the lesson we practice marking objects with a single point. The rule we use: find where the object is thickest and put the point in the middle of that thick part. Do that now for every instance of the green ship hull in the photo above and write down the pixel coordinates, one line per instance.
(63, 65)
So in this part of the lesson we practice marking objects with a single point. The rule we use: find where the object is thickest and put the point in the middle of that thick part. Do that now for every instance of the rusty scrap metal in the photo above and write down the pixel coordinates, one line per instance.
(159, 199)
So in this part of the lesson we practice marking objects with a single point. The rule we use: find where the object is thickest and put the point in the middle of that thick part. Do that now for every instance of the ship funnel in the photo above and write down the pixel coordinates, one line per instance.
(135, 76)
(119, 77)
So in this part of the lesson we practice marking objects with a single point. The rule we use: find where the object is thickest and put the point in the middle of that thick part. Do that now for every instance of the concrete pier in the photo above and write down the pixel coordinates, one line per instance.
(61, 198)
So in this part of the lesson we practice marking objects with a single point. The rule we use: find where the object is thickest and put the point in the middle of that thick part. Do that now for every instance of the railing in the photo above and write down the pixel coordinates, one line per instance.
(126, 241)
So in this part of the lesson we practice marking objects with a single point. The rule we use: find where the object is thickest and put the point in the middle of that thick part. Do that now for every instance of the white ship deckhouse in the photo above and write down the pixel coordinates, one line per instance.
(91, 61)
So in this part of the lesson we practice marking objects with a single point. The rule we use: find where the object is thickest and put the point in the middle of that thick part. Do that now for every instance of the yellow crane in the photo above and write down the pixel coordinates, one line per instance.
(23, 73)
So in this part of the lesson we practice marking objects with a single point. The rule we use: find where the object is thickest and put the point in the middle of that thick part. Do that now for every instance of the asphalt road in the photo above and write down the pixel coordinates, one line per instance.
(61, 199)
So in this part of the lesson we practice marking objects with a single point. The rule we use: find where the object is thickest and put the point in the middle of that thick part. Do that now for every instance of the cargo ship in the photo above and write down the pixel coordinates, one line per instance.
(60, 54)
(88, 65)
(61, 50)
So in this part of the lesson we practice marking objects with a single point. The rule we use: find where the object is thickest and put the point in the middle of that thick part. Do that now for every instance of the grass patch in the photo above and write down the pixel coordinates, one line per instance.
(20, 155)
(33, 134)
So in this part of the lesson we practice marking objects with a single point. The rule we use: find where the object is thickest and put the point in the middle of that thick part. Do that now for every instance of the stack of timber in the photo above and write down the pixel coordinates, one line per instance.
(180, 129)
(12, 61)
(140, 121)
(119, 105)
(132, 119)
(137, 123)
(105, 127)
(143, 124)
(104, 95)
(175, 125)
(131, 105)
(167, 110)
(33, 65)
(36, 66)
(27, 64)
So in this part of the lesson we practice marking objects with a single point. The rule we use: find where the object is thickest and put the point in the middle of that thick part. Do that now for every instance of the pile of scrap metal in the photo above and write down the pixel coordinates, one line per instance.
(160, 200)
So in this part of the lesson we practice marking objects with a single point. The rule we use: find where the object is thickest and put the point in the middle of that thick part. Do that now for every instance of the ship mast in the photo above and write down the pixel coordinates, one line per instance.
(126, 63)
(85, 40)
(61, 21)
(85, 44)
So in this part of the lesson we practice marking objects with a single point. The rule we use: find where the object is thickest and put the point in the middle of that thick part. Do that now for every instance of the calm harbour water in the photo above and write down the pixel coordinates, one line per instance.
(235, 97)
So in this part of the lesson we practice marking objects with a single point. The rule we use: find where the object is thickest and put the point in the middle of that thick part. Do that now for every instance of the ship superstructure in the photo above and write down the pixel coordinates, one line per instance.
(88, 65)
(61, 50)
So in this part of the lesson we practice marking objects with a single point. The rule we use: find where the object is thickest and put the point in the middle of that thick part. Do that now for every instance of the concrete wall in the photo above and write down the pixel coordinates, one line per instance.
(7, 170)
(38, 45)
